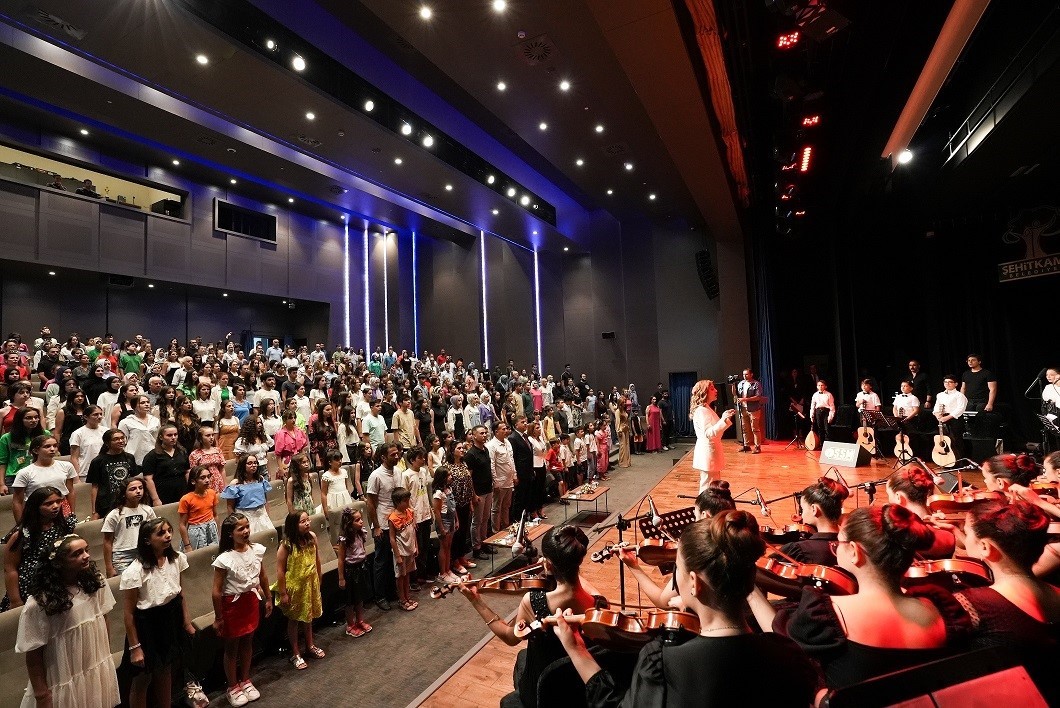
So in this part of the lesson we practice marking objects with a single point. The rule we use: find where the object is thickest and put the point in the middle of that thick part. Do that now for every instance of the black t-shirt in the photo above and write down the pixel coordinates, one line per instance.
(478, 463)
(920, 387)
(107, 472)
(975, 385)
(289, 389)
(170, 474)
(815, 550)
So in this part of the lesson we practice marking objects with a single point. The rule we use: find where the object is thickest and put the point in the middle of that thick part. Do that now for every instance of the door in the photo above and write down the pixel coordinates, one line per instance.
(681, 384)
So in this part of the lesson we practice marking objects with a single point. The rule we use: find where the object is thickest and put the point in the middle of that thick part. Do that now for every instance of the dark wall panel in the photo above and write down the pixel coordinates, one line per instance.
(18, 214)
(450, 314)
(68, 231)
(122, 241)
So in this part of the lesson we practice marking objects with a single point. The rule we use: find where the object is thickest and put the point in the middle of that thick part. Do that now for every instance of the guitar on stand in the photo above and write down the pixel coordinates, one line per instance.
(866, 433)
(902, 450)
(798, 412)
(942, 454)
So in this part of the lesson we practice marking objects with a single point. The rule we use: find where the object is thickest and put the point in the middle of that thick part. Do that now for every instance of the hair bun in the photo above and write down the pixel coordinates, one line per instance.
(903, 527)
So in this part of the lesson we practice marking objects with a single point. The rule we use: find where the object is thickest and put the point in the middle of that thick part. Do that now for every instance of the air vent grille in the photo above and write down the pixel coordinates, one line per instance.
(537, 50)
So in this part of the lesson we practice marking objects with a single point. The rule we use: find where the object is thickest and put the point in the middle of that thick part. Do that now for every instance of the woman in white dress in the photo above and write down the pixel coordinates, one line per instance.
(707, 456)
(63, 632)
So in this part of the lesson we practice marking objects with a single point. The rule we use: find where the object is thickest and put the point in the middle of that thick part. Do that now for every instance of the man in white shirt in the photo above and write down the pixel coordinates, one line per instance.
(267, 390)
(379, 497)
(822, 409)
(950, 405)
(503, 466)
(274, 353)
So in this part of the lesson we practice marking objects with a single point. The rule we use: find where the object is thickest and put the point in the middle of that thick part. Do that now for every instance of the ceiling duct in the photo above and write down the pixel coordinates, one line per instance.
(537, 50)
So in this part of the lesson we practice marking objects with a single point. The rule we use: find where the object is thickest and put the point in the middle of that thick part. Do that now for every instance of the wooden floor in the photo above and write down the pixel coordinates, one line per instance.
(487, 676)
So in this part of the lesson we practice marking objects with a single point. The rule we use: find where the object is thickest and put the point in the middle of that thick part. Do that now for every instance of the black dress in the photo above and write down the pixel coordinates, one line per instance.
(71, 422)
(714, 671)
(815, 550)
(817, 629)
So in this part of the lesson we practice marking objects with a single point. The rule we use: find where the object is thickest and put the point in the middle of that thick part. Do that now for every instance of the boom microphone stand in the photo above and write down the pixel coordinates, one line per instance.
(622, 524)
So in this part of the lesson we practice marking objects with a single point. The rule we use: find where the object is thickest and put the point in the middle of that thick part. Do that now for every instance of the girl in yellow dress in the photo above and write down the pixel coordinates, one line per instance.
(298, 584)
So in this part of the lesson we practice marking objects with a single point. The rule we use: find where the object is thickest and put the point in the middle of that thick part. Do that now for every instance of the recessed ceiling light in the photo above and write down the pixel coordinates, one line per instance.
(610, 191)
(524, 200)
(501, 86)
(369, 105)
(397, 160)
(599, 128)
(51, 272)
(290, 200)
(298, 63)
(202, 59)
(84, 131)
(428, 141)
(448, 187)
(495, 212)
(224, 294)
(543, 125)
(904, 157)
(490, 179)
(652, 196)
(511, 191)
(232, 181)
(629, 166)
(176, 163)
(270, 45)
(535, 233)
(150, 285)
(500, 5)
(564, 85)
(579, 162)
(310, 116)
(283, 302)
(565, 249)
(425, 12)
(406, 129)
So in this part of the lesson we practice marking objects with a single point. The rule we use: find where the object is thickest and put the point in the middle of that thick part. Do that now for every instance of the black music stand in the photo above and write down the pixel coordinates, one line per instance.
(673, 523)
(1048, 426)
(797, 440)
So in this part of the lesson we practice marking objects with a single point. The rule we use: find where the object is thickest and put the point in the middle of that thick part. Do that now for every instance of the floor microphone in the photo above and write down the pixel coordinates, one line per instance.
(656, 518)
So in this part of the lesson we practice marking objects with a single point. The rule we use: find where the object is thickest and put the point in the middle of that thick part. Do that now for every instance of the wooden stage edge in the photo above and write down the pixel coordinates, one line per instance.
(484, 675)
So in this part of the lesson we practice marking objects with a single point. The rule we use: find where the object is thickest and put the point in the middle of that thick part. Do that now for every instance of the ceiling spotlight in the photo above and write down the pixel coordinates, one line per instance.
(543, 125)
(224, 294)
(176, 163)
(202, 59)
(490, 179)
(427, 141)
(524, 200)
(298, 63)
(499, 5)
(501, 86)
(150, 285)
(51, 272)
(579, 162)
(84, 131)
(628, 166)
(290, 200)
(610, 192)
(564, 85)
(270, 45)
(496, 211)
(448, 187)
(535, 206)
(369, 106)
(535, 233)
(232, 181)
(599, 128)
(310, 116)
(406, 129)
(565, 249)
(511, 191)
(397, 160)
(652, 196)
(425, 12)
(905, 157)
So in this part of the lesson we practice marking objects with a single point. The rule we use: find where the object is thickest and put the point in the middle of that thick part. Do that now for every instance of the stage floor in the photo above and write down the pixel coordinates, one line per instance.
(487, 676)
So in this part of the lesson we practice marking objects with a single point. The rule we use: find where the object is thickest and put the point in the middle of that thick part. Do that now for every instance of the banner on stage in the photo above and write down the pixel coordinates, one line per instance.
(1037, 231)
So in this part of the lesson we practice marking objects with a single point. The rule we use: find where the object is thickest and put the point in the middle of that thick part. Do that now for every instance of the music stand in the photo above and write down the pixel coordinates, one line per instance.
(673, 523)
(1048, 426)
(797, 440)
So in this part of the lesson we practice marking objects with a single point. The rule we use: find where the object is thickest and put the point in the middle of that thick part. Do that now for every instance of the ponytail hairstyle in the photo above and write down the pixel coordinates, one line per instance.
(1017, 469)
(226, 541)
(913, 481)
(564, 547)
(890, 535)
(722, 550)
(715, 498)
(346, 523)
(829, 495)
(1019, 529)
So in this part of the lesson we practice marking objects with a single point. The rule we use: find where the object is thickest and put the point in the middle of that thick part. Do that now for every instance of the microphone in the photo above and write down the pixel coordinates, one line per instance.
(761, 502)
(656, 519)
(963, 465)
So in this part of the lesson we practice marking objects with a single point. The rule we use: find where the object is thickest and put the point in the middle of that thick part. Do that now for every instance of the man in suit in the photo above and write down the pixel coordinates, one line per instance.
(523, 457)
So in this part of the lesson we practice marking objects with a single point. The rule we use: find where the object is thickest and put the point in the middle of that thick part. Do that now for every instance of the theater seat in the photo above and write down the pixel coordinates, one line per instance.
(13, 676)
(83, 500)
(328, 560)
(197, 580)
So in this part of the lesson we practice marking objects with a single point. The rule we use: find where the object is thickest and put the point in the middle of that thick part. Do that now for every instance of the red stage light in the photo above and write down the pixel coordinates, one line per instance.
(787, 40)
(804, 165)
(800, 212)
(810, 121)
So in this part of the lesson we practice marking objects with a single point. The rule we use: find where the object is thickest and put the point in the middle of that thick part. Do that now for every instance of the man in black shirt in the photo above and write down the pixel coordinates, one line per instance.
(921, 388)
(87, 189)
(978, 385)
(667, 408)
(289, 388)
(478, 464)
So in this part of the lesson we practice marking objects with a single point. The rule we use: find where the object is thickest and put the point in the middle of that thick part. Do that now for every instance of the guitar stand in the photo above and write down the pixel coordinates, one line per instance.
(904, 458)
(797, 440)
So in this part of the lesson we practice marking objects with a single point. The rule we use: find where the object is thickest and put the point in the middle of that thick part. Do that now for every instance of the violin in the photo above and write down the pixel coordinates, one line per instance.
(613, 629)
(516, 582)
(653, 551)
(788, 577)
(954, 574)
(1046, 488)
(786, 534)
(961, 501)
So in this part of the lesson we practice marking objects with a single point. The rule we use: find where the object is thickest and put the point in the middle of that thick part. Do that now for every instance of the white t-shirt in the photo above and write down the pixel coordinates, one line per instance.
(435, 459)
(34, 477)
(382, 483)
(88, 441)
(872, 401)
(157, 586)
(242, 569)
(140, 435)
(125, 523)
(261, 394)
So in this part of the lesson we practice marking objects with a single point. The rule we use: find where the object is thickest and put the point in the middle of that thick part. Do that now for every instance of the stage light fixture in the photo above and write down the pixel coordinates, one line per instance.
(788, 40)
(610, 192)
(406, 129)
(298, 63)
(176, 163)
(579, 162)
(501, 86)
(524, 200)
(310, 116)
(202, 59)
(290, 200)
(84, 131)
(496, 211)
(397, 160)
(500, 5)
(651, 196)
(448, 187)
(270, 45)
(811, 121)
(542, 125)
(628, 166)
(369, 106)
(564, 85)
(231, 181)
(428, 141)
(565, 249)
(511, 191)
(599, 128)
(425, 12)
(905, 157)
(490, 179)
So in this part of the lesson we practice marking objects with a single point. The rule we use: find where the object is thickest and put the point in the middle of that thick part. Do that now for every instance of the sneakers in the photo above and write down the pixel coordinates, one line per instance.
(249, 691)
(452, 578)
(383, 604)
(236, 697)
(757, 450)
(414, 587)
(194, 696)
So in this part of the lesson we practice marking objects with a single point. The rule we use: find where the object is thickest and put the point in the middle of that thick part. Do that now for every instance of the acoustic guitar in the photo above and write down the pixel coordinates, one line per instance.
(866, 436)
(901, 440)
(942, 454)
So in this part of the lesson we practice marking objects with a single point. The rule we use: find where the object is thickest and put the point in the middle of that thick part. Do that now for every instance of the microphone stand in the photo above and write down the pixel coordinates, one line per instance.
(622, 524)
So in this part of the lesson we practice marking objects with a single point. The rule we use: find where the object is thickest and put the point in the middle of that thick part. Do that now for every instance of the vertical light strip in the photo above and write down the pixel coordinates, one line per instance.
(485, 316)
(386, 292)
(415, 303)
(346, 280)
(367, 328)
(537, 312)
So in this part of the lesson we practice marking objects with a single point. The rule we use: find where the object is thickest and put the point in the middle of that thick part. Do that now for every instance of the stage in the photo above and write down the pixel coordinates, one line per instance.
(484, 676)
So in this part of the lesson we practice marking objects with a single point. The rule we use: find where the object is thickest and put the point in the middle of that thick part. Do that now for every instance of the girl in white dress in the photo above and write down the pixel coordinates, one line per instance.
(335, 485)
(63, 633)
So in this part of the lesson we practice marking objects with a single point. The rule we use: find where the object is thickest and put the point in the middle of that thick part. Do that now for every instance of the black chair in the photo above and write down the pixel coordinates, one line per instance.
(560, 684)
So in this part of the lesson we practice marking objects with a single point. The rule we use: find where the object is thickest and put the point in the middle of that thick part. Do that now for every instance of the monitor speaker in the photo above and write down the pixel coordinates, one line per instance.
(707, 275)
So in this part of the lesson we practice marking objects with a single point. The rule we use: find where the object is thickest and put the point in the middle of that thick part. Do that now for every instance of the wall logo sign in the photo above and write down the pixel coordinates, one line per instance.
(1035, 235)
